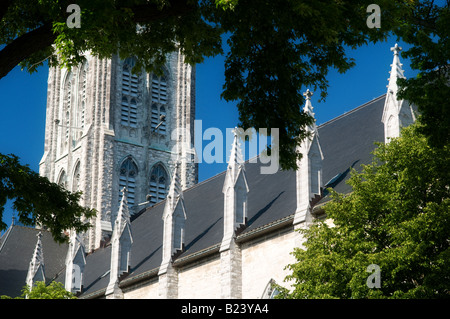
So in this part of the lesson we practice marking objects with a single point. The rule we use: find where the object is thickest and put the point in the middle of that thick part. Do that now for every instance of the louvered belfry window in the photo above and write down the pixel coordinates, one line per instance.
(158, 183)
(159, 89)
(129, 105)
(159, 94)
(127, 178)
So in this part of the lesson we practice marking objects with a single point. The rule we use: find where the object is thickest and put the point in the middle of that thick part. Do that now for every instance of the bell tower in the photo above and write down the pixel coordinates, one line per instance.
(108, 128)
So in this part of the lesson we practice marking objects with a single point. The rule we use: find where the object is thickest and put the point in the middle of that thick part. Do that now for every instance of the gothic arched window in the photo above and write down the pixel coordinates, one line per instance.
(80, 112)
(129, 93)
(65, 114)
(392, 127)
(271, 290)
(76, 178)
(127, 178)
(62, 179)
(159, 182)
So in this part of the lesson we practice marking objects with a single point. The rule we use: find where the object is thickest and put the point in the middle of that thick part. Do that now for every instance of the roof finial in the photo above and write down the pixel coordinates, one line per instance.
(36, 267)
(236, 153)
(308, 106)
(123, 212)
(396, 49)
(308, 94)
(396, 71)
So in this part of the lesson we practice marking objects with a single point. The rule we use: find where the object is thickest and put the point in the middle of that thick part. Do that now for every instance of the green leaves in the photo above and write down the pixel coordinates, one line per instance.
(278, 49)
(427, 30)
(397, 217)
(38, 201)
(40, 290)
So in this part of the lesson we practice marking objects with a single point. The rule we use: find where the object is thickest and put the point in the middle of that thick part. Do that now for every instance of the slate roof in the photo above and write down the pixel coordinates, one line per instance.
(346, 141)
(16, 249)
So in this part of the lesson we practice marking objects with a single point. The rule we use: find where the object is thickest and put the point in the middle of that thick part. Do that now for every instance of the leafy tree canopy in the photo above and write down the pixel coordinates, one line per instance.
(397, 217)
(38, 201)
(428, 31)
(55, 290)
(278, 48)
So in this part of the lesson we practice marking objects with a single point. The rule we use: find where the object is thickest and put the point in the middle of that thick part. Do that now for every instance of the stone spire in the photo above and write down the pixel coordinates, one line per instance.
(235, 164)
(121, 242)
(123, 216)
(36, 268)
(396, 113)
(235, 190)
(175, 189)
(308, 106)
(396, 71)
(75, 262)
(174, 217)
(309, 172)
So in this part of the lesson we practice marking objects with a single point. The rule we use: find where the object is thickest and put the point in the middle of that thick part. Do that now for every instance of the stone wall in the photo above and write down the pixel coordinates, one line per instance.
(105, 142)
(264, 259)
(200, 279)
(240, 272)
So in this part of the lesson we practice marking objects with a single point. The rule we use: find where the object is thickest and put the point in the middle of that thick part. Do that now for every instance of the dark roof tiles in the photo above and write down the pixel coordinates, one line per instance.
(346, 141)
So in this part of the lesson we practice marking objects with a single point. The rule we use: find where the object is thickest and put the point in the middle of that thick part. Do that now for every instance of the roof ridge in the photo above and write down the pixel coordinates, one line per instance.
(352, 111)
(255, 157)
(204, 181)
(5, 237)
(142, 211)
(11, 228)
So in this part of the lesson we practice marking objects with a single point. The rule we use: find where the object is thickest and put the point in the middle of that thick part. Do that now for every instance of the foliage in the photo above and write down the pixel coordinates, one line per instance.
(429, 35)
(38, 201)
(397, 217)
(40, 290)
(278, 48)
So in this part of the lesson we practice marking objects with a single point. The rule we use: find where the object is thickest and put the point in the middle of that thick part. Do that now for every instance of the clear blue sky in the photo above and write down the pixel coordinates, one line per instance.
(23, 102)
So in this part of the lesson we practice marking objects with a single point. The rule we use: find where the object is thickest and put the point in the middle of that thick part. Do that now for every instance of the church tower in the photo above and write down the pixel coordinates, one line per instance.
(107, 128)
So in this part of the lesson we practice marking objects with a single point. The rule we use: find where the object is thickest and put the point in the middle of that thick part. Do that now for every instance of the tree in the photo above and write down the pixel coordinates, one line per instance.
(38, 201)
(55, 290)
(397, 218)
(429, 34)
(278, 49)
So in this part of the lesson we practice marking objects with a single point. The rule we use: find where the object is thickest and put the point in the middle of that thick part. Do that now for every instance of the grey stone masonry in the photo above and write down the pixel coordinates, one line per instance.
(102, 135)
(231, 272)
(168, 284)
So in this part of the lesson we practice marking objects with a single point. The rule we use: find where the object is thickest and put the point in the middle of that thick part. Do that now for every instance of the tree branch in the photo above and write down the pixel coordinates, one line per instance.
(24, 46)
(42, 37)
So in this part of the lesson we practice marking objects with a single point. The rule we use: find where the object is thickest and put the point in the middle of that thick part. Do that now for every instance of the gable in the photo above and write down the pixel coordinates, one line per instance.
(16, 253)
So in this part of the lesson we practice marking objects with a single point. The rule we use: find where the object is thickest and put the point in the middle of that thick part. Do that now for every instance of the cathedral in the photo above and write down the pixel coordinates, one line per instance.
(125, 140)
